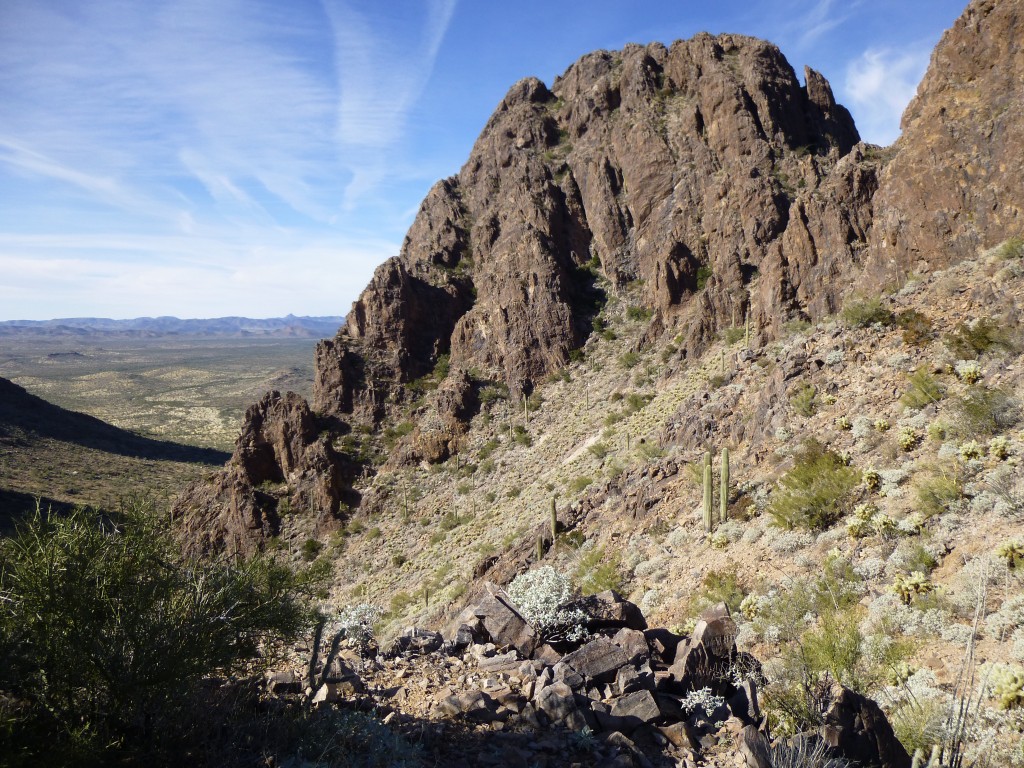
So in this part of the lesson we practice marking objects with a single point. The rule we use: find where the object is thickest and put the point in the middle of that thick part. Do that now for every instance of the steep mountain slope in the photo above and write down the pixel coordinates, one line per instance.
(954, 185)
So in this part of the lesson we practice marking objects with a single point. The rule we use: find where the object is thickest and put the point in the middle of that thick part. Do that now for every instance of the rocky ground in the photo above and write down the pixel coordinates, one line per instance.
(495, 694)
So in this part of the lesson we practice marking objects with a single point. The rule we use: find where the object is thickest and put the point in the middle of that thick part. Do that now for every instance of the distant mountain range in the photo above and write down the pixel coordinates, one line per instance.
(152, 327)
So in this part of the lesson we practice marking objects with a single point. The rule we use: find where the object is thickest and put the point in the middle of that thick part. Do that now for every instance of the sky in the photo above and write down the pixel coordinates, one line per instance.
(205, 158)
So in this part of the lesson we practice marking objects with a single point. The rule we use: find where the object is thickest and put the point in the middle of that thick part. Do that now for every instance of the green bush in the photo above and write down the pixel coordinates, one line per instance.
(598, 571)
(310, 549)
(803, 400)
(982, 412)
(106, 632)
(816, 492)
(938, 492)
(703, 275)
(722, 587)
(580, 483)
(639, 313)
(629, 360)
(862, 313)
(734, 334)
(923, 390)
(917, 328)
(521, 436)
(817, 622)
(1011, 249)
(968, 340)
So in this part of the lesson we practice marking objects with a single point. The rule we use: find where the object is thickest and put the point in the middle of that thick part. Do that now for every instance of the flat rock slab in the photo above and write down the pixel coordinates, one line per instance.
(599, 660)
(504, 624)
(639, 705)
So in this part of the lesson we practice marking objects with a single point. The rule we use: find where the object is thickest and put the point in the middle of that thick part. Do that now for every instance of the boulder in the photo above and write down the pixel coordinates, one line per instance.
(636, 708)
(608, 610)
(504, 624)
(281, 683)
(634, 643)
(597, 661)
(753, 748)
(858, 730)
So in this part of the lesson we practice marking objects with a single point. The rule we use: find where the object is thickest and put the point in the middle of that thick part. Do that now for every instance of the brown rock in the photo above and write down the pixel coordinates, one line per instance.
(624, 163)
(503, 622)
(280, 448)
(954, 185)
(637, 707)
(597, 661)
(633, 642)
(753, 748)
(856, 726)
(608, 610)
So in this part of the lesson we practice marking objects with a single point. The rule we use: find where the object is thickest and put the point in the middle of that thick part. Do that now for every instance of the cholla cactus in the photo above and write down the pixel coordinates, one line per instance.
(970, 450)
(1007, 685)
(541, 595)
(860, 523)
(999, 447)
(968, 371)
(912, 524)
(843, 423)
(867, 520)
(872, 480)
(1012, 552)
(907, 438)
(881, 425)
(885, 526)
(914, 585)
(752, 605)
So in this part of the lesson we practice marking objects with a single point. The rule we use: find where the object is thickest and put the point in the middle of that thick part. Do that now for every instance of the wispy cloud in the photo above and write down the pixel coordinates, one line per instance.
(879, 84)
(176, 275)
(381, 74)
(232, 131)
(821, 18)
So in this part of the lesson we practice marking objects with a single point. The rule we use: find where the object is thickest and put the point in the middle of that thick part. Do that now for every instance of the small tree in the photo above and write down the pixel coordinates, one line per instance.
(105, 629)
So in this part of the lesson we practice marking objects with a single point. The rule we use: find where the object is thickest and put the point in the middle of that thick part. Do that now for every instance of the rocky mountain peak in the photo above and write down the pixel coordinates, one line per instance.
(615, 177)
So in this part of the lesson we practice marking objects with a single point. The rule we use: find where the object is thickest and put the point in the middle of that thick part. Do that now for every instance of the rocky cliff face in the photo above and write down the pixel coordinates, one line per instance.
(704, 170)
(281, 463)
(956, 183)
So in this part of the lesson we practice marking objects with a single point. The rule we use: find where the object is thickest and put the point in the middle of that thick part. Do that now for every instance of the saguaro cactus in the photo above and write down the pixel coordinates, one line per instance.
(723, 490)
(554, 520)
(709, 522)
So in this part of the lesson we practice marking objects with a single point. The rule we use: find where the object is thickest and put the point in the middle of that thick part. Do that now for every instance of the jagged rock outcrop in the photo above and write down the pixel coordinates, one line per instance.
(281, 464)
(703, 172)
(955, 184)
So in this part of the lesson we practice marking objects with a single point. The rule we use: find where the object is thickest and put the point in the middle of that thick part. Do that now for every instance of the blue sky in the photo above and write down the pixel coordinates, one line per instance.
(203, 158)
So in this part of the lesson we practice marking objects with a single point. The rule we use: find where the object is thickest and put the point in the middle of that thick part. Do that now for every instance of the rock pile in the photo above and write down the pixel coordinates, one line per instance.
(634, 695)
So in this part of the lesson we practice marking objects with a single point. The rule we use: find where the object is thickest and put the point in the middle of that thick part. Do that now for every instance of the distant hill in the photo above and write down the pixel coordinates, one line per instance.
(64, 458)
(145, 327)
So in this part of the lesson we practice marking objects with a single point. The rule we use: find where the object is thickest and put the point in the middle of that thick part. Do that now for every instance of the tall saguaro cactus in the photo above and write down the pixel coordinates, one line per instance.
(723, 489)
(554, 520)
(709, 508)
